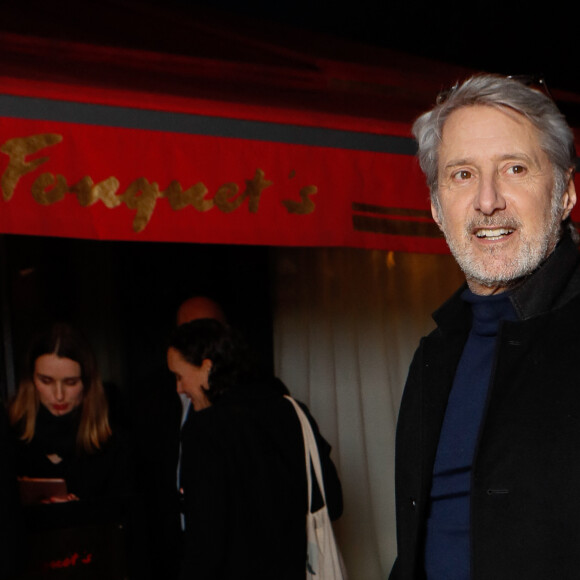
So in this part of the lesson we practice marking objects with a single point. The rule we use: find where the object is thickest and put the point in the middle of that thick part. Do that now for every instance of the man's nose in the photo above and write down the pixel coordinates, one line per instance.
(489, 198)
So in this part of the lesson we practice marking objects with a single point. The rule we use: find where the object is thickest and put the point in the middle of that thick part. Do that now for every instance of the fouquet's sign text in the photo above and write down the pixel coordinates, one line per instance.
(140, 195)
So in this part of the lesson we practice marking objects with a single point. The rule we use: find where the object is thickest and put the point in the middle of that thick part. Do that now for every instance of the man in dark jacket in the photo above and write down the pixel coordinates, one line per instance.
(488, 438)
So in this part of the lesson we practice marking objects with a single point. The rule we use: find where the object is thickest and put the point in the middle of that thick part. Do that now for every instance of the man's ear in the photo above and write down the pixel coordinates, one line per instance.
(435, 214)
(569, 197)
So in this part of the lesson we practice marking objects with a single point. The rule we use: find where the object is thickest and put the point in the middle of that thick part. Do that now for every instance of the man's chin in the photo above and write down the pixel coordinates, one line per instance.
(504, 265)
(499, 274)
(493, 269)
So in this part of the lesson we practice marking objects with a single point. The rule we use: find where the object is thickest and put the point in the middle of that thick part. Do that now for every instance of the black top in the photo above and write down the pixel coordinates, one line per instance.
(53, 453)
(11, 528)
(244, 481)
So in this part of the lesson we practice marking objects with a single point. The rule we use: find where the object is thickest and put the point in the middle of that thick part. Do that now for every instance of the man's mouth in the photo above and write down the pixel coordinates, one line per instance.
(493, 233)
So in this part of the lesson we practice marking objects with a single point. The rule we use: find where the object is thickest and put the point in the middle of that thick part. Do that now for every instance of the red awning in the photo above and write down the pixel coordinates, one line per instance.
(119, 144)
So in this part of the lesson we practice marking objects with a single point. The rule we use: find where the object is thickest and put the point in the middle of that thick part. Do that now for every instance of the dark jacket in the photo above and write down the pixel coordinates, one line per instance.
(156, 427)
(11, 526)
(104, 473)
(104, 523)
(525, 496)
(244, 481)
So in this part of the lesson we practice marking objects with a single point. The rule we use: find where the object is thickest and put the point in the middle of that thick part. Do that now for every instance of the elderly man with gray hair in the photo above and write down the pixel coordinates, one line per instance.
(488, 436)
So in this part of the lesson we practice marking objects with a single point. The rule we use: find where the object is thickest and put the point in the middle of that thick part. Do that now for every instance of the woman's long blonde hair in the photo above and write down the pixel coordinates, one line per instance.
(65, 342)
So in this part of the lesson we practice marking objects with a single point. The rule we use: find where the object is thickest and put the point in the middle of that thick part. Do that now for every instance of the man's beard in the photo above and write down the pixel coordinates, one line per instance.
(488, 267)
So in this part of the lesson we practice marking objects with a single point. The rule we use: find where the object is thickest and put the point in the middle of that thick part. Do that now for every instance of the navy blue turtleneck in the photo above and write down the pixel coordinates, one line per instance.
(447, 549)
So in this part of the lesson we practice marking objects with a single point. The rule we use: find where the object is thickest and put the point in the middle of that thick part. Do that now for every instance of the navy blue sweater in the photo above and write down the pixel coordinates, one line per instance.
(447, 549)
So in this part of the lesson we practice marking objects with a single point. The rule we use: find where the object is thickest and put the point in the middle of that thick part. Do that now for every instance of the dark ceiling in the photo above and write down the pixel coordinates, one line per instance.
(496, 36)
(513, 37)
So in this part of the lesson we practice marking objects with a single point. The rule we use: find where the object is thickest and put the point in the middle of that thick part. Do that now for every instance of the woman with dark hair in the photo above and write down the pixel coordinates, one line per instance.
(242, 463)
(60, 417)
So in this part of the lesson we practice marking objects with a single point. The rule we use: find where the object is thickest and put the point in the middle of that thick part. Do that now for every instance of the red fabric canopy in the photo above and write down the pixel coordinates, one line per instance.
(115, 144)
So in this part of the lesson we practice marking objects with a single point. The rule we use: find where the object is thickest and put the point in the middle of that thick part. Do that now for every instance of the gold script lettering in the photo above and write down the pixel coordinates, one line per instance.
(141, 195)
(302, 207)
(17, 150)
(88, 192)
(227, 198)
(45, 196)
(194, 196)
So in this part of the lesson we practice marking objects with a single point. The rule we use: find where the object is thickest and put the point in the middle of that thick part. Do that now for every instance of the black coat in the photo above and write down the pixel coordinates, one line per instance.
(156, 426)
(105, 522)
(11, 525)
(244, 481)
(103, 474)
(525, 496)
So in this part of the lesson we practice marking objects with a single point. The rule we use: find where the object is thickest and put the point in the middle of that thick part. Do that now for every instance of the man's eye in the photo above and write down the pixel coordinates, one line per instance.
(517, 169)
(462, 175)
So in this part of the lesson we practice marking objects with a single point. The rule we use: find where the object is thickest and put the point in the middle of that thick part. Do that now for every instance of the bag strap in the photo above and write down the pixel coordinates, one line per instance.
(310, 453)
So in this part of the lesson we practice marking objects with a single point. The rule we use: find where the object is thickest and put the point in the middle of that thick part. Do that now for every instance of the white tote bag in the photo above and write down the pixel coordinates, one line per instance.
(324, 560)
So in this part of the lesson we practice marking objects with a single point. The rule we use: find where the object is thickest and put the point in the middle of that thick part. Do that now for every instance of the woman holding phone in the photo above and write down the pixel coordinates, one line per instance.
(60, 417)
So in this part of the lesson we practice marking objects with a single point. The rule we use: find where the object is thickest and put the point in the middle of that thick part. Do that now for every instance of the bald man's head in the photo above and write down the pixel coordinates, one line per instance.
(199, 307)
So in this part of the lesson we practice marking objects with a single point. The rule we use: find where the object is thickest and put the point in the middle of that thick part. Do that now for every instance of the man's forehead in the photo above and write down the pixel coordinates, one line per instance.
(485, 129)
(467, 116)
(199, 307)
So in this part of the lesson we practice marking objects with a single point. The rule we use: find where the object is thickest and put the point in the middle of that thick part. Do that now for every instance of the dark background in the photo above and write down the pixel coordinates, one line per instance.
(508, 37)
(497, 36)
(124, 295)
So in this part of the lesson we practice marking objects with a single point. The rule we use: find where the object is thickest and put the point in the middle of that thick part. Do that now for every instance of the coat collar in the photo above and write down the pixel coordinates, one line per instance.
(552, 284)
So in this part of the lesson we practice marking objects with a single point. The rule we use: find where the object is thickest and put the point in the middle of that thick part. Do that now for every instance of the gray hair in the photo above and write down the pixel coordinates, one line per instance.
(556, 137)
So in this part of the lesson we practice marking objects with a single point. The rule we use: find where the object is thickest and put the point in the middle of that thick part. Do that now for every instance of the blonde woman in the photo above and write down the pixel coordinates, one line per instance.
(61, 422)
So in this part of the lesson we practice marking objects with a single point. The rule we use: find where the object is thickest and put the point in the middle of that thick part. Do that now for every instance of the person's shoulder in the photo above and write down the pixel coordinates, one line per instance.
(246, 407)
